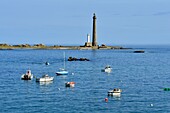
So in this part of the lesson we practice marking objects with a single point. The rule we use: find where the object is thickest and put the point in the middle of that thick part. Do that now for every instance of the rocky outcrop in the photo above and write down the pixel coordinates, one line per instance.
(5, 45)
(139, 51)
(22, 45)
(77, 59)
(39, 45)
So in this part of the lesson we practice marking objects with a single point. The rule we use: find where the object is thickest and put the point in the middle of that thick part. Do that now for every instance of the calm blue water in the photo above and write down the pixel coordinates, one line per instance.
(140, 76)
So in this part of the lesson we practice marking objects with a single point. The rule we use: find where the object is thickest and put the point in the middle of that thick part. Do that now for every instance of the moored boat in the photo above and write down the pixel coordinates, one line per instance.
(107, 69)
(62, 72)
(114, 92)
(27, 75)
(70, 84)
(45, 78)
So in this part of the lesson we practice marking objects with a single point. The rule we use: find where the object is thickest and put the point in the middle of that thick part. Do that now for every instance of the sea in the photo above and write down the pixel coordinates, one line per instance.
(142, 78)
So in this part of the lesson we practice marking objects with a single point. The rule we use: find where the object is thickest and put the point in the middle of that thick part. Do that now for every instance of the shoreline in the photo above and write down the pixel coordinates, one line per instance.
(57, 47)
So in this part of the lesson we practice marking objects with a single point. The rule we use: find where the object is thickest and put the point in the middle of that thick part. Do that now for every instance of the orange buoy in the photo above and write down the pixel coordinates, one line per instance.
(72, 82)
(106, 99)
(69, 84)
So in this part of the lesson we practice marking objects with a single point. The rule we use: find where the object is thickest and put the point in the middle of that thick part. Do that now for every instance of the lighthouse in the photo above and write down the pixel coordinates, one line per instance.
(92, 44)
(94, 41)
(88, 43)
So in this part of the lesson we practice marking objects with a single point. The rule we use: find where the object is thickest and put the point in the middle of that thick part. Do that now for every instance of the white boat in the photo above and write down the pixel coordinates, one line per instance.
(70, 84)
(62, 71)
(107, 69)
(114, 92)
(44, 78)
(27, 75)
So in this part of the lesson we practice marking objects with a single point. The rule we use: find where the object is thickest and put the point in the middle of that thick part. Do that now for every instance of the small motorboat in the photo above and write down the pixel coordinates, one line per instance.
(47, 63)
(44, 78)
(70, 84)
(27, 75)
(62, 72)
(114, 92)
(107, 69)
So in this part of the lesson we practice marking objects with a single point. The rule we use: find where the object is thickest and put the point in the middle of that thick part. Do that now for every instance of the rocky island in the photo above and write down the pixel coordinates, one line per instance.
(43, 46)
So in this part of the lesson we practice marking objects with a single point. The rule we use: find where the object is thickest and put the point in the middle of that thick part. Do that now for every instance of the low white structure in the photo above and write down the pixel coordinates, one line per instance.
(88, 43)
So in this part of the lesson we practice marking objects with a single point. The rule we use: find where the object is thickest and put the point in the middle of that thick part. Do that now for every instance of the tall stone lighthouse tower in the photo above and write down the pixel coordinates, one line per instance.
(94, 41)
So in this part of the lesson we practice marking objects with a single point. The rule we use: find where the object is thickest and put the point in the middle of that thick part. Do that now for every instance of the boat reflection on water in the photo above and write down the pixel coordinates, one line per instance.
(115, 97)
(45, 83)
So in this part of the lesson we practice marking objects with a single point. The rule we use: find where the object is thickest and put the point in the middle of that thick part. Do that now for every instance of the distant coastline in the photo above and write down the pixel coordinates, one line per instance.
(43, 46)
(89, 45)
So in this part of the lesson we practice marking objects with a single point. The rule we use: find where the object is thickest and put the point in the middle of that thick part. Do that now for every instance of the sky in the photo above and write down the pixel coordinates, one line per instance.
(67, 22)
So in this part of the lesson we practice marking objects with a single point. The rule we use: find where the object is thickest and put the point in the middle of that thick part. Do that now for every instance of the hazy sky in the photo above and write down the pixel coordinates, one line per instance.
(69, 21)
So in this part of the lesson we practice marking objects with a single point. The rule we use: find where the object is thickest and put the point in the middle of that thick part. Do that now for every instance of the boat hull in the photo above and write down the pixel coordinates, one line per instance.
(106, 70)
(70, 84)
(115, 92)
(62, 73)
(44, 79)
(26, 77)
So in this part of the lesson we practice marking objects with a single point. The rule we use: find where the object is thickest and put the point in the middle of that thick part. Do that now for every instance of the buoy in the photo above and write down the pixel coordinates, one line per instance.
(47, 63)
(106, 99)
(151, 105)
(166, 89)
(72, 73)
(58, 88)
